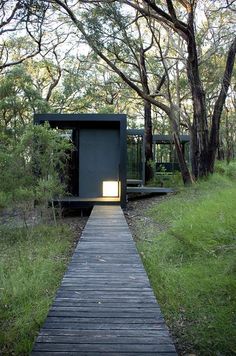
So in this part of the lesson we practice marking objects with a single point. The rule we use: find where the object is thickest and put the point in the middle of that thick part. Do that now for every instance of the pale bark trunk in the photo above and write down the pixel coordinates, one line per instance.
(148, 140)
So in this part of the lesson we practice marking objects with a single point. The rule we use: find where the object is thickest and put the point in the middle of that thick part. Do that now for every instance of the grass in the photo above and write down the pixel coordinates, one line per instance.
(32, 263)
(192, 264)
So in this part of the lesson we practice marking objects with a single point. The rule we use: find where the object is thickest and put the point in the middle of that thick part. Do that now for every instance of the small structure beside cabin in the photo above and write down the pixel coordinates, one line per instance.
(97, 172)
(164, 156)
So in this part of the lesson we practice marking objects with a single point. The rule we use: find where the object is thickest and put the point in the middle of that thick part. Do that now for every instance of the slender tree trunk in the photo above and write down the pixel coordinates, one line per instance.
(186, 175)
(148, 140)
(215, 127)
(220, 151)
(228, 140)
(178, 101)
(200, 126)
(194, 151)
(147, 117)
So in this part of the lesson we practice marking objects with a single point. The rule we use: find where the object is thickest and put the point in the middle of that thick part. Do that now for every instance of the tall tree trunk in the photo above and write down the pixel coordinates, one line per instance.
(178, 99)
(220, 151)
(194, 151)
(186, 175)
(148, 140)
(229, 140)
(147, 117)
(200, 126)
(215, 126)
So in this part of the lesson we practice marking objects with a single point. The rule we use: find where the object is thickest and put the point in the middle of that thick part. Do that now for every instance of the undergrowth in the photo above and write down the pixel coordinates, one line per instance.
(192, 264)
(32, 263)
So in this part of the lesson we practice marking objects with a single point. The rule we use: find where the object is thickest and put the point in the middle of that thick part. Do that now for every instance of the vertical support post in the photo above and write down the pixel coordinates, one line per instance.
(143, 159)
(123, 159)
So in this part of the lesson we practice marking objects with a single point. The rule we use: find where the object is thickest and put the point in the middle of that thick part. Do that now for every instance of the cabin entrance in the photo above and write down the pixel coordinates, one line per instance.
(99, 159)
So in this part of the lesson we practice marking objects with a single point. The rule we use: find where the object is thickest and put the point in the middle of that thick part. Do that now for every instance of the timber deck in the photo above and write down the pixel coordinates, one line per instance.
(78, 202)
(149, 190)
(105, 305)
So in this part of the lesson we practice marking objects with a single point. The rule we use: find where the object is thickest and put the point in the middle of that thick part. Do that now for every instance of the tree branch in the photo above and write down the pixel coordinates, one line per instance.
(8, 20)
(177, 25)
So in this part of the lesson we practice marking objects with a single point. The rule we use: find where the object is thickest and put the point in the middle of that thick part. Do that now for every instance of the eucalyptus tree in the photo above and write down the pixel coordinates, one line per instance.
(19, 98)
(181, 19)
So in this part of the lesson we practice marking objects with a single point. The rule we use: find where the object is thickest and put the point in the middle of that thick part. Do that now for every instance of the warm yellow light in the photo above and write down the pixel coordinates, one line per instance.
(110, 189)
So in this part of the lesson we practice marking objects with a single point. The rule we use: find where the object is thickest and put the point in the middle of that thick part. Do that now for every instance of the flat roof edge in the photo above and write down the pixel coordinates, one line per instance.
(159, 138)
(39, 118)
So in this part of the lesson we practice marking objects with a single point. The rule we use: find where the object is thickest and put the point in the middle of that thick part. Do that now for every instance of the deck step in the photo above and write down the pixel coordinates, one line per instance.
(149, 190)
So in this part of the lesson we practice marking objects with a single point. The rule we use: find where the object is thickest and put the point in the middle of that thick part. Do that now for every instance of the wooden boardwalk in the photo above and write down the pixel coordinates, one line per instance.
(105, 305)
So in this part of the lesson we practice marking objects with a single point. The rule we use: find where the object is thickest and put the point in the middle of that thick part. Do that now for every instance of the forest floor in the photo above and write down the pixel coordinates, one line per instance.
(136, 208)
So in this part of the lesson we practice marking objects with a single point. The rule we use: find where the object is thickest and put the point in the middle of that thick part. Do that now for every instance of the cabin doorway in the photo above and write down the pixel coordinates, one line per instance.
(99, 160)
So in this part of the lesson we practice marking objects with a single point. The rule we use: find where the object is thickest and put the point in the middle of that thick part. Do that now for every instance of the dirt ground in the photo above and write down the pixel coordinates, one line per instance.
(135, 212)
(14, 218)
(77, 219)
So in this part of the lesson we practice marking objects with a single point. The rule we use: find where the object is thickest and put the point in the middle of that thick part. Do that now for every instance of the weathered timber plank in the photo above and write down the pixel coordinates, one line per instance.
(108, 277)
(108, 260)
(118, 314)
(102, 286)
(99, 300)
(100, 295)
(104, 347)
(109, 319)
(98, 309)
(83, 353)
(103, 326)
(160, 333)
(106, 339)
(96, 285)
(104, 305)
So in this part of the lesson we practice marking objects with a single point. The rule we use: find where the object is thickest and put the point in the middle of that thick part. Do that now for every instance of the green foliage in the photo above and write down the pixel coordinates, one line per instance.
(19, 99)
(163, 178)
(191, 264)
(227, 169)
(32, 168)
(32, 263)
(91, 88)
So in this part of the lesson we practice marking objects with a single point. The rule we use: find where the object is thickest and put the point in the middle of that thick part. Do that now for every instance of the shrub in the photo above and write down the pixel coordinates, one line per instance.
(33, 166)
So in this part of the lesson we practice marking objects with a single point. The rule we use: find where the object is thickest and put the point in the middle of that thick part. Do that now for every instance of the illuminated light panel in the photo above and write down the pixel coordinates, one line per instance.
(110, 189)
